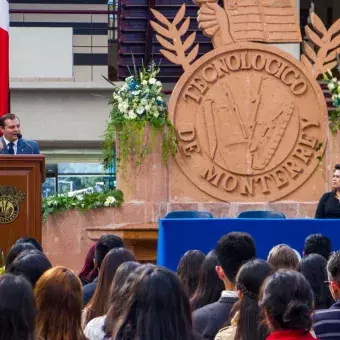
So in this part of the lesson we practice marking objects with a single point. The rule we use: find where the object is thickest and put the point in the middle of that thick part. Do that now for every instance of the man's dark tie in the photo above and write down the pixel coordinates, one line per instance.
(11, 148)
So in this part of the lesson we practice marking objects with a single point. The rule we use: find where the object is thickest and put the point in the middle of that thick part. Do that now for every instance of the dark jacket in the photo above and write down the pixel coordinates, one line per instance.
(208, 320)
(88, 291)
(326, 323)
(24, 147)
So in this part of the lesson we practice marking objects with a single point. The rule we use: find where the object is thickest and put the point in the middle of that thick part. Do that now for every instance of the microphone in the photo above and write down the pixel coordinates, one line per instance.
(20, 137)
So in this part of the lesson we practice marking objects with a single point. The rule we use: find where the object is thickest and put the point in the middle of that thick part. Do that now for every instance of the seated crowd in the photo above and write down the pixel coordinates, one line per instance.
(227, 294)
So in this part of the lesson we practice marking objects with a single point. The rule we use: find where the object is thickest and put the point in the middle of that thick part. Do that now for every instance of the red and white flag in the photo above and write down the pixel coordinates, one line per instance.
(4, 56)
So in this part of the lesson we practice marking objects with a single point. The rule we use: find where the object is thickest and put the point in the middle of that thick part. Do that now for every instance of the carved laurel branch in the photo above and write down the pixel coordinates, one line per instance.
(169, 30)
(322, 56)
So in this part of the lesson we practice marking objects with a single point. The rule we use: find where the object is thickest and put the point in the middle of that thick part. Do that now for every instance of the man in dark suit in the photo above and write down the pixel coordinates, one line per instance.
(232, 250)
(11, 142)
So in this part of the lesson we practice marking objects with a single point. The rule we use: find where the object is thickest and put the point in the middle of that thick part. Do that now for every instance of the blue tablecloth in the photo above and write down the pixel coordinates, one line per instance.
(176, 236)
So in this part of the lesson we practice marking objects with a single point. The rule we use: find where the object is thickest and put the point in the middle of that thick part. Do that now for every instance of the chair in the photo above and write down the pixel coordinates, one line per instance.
(188, 214)
(261, 214)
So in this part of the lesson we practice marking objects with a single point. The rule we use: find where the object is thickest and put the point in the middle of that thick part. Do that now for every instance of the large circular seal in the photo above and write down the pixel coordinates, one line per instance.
(249, 119)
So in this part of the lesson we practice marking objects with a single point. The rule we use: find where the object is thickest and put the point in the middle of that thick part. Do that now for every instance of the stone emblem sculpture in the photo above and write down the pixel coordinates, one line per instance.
(248, 116)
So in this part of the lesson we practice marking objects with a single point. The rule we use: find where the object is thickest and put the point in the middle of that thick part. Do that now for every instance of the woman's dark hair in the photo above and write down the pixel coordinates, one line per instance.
(17, 308)
(189, 269)
(30, 240)
(313, 268)
(156, 294)
(88, 273)
(98, 305)
(118, 295)
(288, 301)
(249, 281)
(210, 286)
(16, 250)
(58, 295)
(283, 257)
(31, 264)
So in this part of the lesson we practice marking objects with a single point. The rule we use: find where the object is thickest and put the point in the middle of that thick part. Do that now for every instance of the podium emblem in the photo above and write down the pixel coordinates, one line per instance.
(10, 198)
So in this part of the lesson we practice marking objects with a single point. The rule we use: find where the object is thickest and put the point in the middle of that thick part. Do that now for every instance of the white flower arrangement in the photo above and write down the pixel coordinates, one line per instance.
(333, 85)
(138, 103)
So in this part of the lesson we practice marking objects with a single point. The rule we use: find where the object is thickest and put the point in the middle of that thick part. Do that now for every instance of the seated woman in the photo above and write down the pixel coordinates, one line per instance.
(157, 308)
(329, 204)
(287, 303)
(246, 324)
(189, 270)
(210, 286)
(313, 268)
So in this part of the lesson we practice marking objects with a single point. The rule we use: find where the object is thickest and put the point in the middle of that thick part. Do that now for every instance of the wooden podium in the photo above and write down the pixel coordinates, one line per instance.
(21, 177)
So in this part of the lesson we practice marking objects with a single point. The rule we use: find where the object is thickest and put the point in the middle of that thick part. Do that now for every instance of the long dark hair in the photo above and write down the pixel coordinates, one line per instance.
(313, 268)
(88, 273)
(119, 289)
(287, 301)
(98, 305)
(249, 281)
(189, 269)
(210, 285)
(17, 308)
(157, 307)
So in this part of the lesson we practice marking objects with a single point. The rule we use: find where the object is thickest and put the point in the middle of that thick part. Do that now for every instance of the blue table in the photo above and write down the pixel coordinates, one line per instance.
(176, 236)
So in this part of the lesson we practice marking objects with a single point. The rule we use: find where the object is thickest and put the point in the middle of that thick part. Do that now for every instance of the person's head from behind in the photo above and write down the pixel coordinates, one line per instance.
(32, 241)
(333, 272)
(283, 257)
(58, 296)
(233, 250)
(17, 308)
(210, 286)
(287, 301)
(98, 305)
(318, 244)
(313, 268)
(31, 264)
(88, 272)
(189, 269)
(119, 291)
(104, 245)
(248, 283)
(155, 294)
(10, 126)
(16, 250)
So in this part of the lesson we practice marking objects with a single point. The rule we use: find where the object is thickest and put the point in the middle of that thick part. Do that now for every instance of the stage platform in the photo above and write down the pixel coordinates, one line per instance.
(176, 236)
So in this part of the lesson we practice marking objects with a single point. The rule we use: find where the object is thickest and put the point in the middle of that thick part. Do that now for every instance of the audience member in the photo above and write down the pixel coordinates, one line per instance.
(210, 286)
(103, 246)
(31, 240)
(189, 270)
(287, 303)
(246, 323)
(318, 244)
(31, 264)
(313, 268)
(283, 257)
(16, 250)
(157, 307)
(58, 298)
(326, 323)
(17, 308)
(232, 250)
(89, 272)
(98, 304)
(96, 328)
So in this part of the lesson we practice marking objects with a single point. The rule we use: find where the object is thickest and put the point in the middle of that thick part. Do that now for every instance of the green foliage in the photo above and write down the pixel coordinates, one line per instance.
(333, 85)
(136, 106)
(83, 202)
